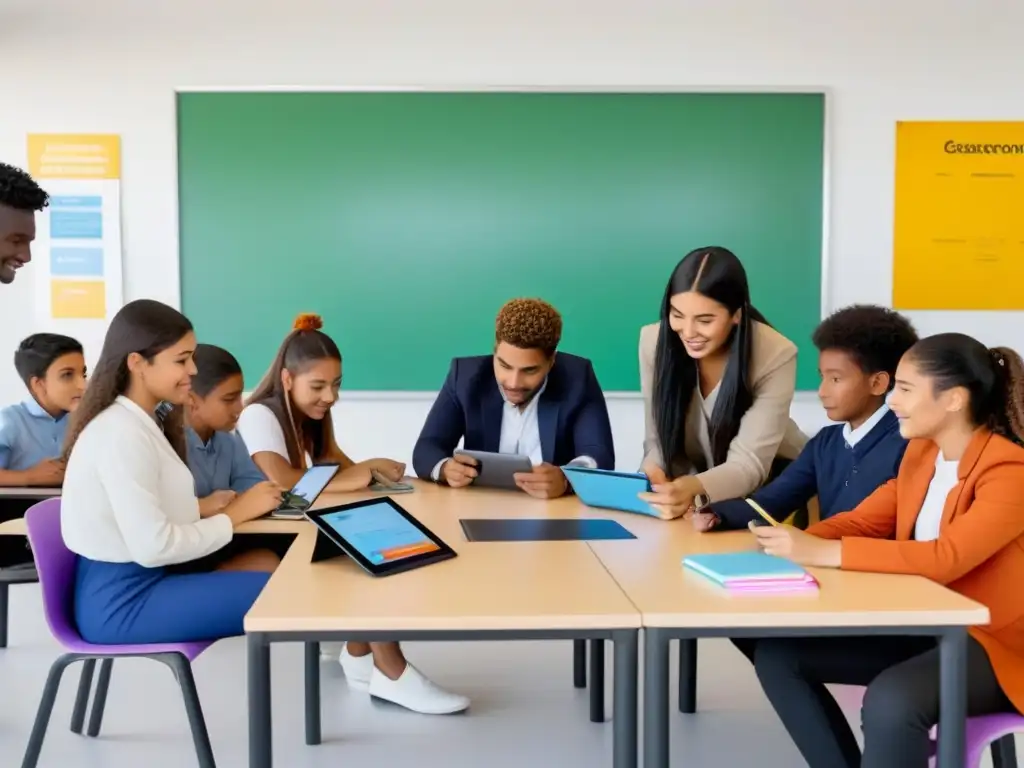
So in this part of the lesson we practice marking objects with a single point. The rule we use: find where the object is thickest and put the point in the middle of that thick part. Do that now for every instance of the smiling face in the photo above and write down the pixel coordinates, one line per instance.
(168, 376)
(704, 326)
(846, 391)
(220, 408)
(17, 231)
(520, 373)
(314, 389)
(923, 412)
(61, 389)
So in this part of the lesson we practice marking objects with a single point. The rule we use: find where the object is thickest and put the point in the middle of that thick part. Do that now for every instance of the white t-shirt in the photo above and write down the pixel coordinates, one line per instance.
(128, 497)
(262, 432)
(930, 517)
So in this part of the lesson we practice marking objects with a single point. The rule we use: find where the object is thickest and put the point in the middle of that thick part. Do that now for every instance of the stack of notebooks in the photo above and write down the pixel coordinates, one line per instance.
(752, 572)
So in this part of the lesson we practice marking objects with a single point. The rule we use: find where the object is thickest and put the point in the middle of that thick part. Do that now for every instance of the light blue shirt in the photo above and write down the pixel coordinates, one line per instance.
(223, 464)
(29, 435)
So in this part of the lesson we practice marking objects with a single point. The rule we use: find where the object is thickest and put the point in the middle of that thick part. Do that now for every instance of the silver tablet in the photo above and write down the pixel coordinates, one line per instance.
(496, 470)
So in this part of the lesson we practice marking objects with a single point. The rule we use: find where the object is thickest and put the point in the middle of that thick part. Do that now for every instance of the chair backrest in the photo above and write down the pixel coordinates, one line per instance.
(56, 566)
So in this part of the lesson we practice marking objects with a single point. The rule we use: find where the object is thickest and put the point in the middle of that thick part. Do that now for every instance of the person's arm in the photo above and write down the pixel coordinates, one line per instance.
(648, 349)
(796, 486)
(761, 430)
(875, 517)
(444, 427)
(244, 472)
(592, 430)
(9, 477)
(129, 471)
(994, 520)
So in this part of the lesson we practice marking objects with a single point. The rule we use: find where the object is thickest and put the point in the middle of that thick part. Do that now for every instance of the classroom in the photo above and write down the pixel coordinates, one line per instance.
(214, 105)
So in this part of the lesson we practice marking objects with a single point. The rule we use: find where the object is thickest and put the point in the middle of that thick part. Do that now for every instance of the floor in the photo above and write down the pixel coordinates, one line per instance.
(525, 710)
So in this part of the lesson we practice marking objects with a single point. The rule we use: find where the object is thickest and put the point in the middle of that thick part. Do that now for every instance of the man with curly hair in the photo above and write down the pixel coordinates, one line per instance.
(20, 198)
(523, 399)
(859, 348)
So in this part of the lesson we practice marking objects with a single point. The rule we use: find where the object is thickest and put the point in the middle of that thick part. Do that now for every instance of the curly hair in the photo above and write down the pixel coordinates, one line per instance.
(529, 324)
(19, 191)
(875, 337)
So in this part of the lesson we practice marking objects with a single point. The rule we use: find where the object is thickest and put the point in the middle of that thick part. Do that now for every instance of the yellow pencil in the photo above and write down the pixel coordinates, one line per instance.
(760, 510)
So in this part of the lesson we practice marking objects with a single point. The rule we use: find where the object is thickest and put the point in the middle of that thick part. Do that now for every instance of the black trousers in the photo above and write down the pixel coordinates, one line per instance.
(900, 706)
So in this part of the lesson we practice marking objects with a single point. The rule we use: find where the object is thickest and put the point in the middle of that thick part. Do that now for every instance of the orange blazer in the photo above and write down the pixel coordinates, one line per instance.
(980, 549)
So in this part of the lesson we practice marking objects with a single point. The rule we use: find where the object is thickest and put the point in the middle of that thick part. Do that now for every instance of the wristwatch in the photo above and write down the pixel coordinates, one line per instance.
(700, 501)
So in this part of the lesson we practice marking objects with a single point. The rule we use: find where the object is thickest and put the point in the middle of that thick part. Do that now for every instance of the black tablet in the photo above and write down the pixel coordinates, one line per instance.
(381, 536)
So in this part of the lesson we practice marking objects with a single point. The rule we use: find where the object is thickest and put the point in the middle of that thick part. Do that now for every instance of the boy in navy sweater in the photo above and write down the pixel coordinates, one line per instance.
(858, 350)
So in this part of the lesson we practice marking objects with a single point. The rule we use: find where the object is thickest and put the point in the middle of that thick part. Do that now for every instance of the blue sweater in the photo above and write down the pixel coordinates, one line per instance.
(841, 476)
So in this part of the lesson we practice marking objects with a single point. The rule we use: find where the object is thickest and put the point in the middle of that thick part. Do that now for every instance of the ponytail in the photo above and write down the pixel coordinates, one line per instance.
(1009, 414)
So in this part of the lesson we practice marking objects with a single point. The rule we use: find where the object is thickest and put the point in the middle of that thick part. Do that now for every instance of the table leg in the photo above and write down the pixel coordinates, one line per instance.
(952, 698)
(655, 698)
(312, 675)
(597, 681)
(260, 743)
(624, 714)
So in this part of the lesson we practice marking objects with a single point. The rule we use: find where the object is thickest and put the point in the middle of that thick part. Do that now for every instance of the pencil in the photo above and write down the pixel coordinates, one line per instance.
(760, 510)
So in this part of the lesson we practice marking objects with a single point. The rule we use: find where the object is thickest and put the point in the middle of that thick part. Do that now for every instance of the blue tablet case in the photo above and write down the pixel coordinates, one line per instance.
(558, 529)
(610, 490)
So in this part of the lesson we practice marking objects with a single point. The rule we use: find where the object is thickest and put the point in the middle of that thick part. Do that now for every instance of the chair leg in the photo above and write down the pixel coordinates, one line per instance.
(197, 723)
(579, 663)
(1004, 752)
(688, 676)
(99, 701)
(82, 697)
(3, 613)
(35, 740)
(597, 681)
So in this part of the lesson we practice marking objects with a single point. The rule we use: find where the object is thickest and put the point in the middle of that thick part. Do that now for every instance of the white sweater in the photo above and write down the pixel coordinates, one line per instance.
(128, 497)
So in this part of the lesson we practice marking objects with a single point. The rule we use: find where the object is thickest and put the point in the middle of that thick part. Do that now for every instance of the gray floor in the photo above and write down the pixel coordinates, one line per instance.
(525, 710)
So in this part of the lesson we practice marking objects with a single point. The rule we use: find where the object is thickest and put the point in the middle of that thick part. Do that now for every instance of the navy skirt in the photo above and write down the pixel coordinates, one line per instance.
(125, 603)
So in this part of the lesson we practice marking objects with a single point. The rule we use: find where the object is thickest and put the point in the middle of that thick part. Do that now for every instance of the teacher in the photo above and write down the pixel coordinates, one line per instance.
(717, 383)
(20, 198)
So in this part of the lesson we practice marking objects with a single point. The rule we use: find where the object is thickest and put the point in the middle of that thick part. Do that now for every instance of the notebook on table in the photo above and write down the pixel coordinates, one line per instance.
(751, 572)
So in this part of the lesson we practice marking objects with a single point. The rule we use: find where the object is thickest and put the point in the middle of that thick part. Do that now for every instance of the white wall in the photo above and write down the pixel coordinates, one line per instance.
(113, 65)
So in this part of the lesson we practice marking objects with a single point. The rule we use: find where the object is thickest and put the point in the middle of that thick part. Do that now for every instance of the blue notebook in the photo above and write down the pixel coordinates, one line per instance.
(727, 567)
(610, 490)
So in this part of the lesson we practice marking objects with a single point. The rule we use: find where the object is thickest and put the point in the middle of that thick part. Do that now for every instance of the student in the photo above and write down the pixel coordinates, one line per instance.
(150, 568)
(858, 350)
(524, 398)
(32, 432)
(955, 515)
(20, 198)
(217, 456)
(287, 426)
(717, 383)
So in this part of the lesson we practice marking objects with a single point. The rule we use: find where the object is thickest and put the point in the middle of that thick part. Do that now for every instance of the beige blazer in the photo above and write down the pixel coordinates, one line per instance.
(766, 430)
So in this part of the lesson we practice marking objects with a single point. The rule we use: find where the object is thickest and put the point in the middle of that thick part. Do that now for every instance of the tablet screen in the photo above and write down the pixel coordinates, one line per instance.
(379, 533)
(312, 482)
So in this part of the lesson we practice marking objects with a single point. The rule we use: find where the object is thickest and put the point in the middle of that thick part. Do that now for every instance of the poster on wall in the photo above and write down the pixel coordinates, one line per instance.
(77, 254)
(958, 237)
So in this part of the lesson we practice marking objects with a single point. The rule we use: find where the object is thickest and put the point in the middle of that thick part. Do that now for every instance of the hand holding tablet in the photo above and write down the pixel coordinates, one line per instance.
(544, 481)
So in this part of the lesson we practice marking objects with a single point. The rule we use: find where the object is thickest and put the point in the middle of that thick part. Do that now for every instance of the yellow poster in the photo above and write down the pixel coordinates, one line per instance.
(958, 240)
(74, 155)
(78, 299)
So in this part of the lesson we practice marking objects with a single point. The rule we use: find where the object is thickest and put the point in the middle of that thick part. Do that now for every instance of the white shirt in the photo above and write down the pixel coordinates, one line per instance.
(128, 497)
(262, 432)
(520, 433)
(943, 481)
(854, 436)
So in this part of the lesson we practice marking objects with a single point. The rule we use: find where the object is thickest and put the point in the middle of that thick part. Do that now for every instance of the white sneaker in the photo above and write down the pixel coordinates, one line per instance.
(358, 669)
(330, 651)
(415, 692)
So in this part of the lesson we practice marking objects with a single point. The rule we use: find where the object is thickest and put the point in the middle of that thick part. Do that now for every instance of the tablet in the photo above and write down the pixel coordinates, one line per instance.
(295, 502)
(496, 470)
(610, 490)
(380, 535)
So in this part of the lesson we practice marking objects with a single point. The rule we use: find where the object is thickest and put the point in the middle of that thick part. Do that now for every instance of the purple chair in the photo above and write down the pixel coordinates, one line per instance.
(56, 566)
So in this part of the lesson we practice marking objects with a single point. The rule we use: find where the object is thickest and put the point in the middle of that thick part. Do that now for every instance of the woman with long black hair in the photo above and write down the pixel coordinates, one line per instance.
(718, 382)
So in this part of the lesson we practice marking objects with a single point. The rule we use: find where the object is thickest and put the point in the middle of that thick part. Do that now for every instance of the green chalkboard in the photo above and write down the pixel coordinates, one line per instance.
(407, 219)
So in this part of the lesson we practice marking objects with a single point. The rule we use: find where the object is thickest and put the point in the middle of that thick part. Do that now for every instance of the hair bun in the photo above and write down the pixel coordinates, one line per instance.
(308, 321)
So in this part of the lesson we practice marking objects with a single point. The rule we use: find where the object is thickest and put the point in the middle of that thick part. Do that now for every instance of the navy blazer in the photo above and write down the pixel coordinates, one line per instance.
(571, 414)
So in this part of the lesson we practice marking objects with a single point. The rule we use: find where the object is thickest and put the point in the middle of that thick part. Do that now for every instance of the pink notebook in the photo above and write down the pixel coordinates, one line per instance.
(806, 584)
